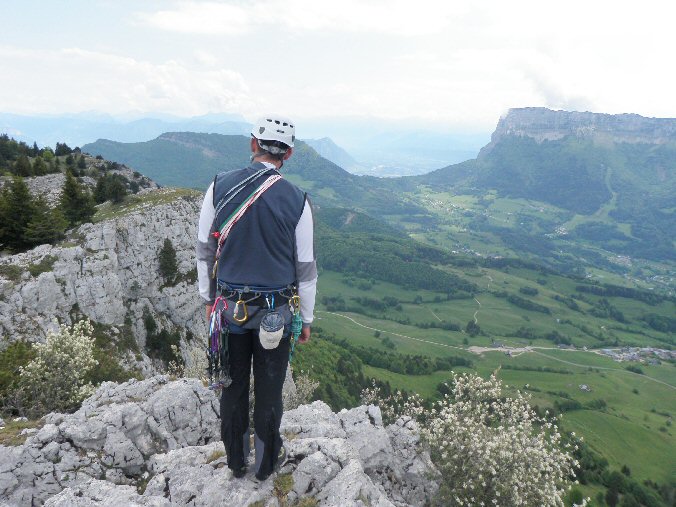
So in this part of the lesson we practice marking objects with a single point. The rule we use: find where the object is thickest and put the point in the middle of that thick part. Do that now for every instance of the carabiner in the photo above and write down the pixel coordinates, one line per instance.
(235, 312)
(295, 302)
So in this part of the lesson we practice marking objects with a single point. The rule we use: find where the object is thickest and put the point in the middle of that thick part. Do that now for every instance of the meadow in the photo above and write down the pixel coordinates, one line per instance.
(624, 416)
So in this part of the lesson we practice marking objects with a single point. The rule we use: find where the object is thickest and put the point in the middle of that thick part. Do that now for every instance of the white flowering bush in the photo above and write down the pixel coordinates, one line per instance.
(55, 380)
(302, 394)
(490, 450)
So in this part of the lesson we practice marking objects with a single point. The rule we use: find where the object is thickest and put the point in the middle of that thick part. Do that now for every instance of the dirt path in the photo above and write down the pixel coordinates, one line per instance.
(393, 334)
(432, 312)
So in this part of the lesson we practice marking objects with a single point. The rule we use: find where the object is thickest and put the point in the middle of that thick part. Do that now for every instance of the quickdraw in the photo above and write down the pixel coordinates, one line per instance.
(296, 324)
(218, 356)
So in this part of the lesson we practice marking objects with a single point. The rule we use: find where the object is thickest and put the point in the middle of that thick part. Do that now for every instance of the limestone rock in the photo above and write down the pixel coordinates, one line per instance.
(109, 273)
(156, 443)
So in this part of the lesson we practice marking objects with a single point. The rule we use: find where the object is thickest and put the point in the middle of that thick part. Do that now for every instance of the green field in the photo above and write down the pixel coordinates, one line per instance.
(633, 428)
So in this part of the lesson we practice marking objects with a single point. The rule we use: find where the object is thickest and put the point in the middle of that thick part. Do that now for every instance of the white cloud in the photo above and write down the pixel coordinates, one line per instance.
(79, 80)
(396, 17)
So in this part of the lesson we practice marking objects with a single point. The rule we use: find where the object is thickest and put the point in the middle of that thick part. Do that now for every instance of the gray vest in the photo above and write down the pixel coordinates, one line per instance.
(261, 248)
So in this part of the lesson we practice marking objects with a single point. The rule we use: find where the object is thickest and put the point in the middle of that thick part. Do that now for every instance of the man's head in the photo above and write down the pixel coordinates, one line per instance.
(272, 138)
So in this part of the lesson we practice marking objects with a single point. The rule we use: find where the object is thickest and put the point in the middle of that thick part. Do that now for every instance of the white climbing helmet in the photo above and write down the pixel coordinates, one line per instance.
(274, 128)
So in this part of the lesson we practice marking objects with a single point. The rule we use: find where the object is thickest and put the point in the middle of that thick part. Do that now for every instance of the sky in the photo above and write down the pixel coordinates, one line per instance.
(446, 65)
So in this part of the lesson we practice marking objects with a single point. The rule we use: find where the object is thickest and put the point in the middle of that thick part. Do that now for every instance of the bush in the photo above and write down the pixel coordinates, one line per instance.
(55, 379)
(489, 449)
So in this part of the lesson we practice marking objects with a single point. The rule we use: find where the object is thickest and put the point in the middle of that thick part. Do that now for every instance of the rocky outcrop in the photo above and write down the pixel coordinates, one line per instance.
(543, 124)
(109, 273)
(156, 443)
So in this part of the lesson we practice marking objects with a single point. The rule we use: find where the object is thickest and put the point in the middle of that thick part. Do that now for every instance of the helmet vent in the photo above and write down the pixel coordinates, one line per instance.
(261, 130)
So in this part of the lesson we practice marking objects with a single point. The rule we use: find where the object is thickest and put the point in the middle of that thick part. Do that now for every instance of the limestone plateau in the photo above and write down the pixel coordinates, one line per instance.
(543, 124)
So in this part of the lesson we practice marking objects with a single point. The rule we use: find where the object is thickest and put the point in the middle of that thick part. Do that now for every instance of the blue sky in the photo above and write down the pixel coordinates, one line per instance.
(447, 65)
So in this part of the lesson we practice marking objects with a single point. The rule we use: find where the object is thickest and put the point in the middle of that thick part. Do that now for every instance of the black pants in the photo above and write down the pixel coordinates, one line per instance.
(269, 371)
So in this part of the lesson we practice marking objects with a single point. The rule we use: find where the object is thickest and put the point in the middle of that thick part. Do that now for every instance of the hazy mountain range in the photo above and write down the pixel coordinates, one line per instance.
(376, 147)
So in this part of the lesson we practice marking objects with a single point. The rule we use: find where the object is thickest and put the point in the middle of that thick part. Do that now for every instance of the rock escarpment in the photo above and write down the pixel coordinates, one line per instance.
(543, 124)
(108, 272)
(156, 442)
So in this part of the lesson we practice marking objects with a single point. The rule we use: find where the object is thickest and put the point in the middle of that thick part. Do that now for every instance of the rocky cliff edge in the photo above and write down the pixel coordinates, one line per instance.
(156, 443)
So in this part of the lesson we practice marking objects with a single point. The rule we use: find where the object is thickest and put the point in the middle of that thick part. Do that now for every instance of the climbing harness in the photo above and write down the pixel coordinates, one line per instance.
(218, 356)
(269, 323)
(226, 227)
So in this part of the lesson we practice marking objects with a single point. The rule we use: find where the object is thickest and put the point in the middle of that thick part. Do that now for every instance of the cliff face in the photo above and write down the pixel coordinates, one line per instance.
(109, 272)
(542, 124)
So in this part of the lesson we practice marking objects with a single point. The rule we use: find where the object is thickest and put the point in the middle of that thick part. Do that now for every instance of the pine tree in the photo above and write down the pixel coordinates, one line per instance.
(110, 187)
(46, 226)
(39, 167)
(77, 204)
(16, 211)
(62, 149)
(22, 166)
(168, 263)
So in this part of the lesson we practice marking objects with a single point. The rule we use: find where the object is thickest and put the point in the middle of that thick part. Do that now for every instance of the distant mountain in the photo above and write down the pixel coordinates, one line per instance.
(331, 151)
(79, 129)
(187, 159)
(619, 167)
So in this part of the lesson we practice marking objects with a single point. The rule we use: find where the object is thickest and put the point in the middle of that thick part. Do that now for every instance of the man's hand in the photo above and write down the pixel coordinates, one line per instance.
(208, 313)
(304, 335)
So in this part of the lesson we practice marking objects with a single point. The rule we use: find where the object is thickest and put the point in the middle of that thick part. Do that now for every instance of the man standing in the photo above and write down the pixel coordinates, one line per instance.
(255, 255)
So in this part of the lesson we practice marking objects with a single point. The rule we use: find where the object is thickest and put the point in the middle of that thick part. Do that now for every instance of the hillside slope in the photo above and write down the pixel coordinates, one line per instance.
(192, 160)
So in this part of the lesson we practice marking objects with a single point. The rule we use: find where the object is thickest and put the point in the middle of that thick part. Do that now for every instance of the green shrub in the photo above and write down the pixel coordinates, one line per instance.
(11, 272)
(16, 355)
(45, 265)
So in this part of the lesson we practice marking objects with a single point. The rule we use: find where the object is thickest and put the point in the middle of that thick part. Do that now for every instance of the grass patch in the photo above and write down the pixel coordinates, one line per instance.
(45, 265)
(282, 486)
(11, 272)
(214, 456)
(11, 435)
(133, 203)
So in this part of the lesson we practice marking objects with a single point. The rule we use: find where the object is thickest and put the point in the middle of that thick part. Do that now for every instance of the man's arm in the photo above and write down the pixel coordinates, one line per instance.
(306, 269)
(206, 250)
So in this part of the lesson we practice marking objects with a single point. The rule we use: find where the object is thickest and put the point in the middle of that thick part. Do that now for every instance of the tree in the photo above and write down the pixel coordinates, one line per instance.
(62, 149)
(16, 212)
(46, 226)
(612, 497)
(22, 166)
(110, 187)
(39, 167)
(168, 263)
(472, 328)
(77, 204)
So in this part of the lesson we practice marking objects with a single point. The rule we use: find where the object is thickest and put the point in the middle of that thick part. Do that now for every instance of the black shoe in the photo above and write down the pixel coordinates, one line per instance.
(238, 473)
(281, 457)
